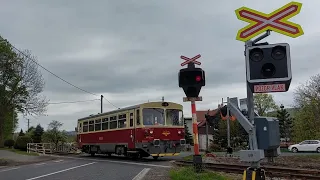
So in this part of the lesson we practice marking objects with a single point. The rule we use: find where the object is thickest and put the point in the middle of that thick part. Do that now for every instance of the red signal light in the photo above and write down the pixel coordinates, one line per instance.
(198, 78)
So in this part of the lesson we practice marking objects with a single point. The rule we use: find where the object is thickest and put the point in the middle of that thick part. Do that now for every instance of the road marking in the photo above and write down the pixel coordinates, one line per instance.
(38, 177)
(120, 162)
(141, 174)
(39, 164)
(58, 160)
(4, 170)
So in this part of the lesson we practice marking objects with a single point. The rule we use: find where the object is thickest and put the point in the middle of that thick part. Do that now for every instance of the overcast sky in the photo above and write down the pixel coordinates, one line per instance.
(129, 51)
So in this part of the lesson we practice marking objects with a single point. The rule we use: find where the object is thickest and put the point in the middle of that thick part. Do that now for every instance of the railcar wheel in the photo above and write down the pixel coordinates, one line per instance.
(92, 154)
(294, 150)
(155, 157)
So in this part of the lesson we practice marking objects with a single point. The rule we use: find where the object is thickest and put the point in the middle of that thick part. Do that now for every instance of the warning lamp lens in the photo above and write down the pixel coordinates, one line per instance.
(198, 78)
(268, 70)
(256, 54)
(278, 52)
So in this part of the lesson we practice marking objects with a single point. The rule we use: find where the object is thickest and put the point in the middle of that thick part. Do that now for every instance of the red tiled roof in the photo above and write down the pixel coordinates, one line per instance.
(201, 116)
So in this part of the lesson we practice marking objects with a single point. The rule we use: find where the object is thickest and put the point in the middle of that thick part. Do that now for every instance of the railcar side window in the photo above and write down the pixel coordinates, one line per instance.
(105, 123)
(174, 117)
(131, 119)
(122, 121)
(85, 126)
(97, 126)
(113, 122)
(138, 116)
(91, 125)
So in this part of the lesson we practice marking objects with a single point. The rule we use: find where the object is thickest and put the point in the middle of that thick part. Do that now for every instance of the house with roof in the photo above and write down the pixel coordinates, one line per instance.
(202, 127)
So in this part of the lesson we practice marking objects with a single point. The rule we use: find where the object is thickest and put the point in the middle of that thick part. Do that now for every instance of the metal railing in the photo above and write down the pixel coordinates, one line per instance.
(42, 148)
(50, 148)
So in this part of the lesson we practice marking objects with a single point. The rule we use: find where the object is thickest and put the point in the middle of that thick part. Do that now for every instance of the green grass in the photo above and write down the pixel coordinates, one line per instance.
(187, 173)
(20, 152)
(284, 150)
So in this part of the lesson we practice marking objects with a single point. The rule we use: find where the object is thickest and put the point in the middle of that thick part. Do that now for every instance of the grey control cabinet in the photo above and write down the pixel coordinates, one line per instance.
(268, 132)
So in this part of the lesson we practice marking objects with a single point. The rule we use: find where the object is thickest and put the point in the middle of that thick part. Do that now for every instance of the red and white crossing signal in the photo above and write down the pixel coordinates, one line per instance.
(191, 79)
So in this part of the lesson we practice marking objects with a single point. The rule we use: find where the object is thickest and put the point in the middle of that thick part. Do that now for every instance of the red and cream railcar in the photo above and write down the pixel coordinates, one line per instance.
(150, 129)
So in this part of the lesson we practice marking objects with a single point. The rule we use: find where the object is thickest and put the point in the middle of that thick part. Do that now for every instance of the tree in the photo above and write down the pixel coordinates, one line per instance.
(307, 119)
(37, 133)
(285, 123)
(214, 123)
(10, 125)
(264, 102)
(54, 134)
(20, 84)
(21, 133)
(187, 136)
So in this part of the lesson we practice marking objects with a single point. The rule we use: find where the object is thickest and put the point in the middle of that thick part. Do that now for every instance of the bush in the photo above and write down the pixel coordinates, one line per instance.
(9, 143)
(215, 148)
(22, 142)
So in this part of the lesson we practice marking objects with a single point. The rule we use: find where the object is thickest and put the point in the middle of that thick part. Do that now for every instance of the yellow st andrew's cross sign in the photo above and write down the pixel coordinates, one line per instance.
(276, 21)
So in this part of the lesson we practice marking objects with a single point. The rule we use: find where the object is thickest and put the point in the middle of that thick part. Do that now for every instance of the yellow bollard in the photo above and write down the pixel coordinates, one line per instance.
(254, 174)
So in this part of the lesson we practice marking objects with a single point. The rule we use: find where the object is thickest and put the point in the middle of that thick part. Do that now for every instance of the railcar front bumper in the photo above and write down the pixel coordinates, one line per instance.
(163, 147)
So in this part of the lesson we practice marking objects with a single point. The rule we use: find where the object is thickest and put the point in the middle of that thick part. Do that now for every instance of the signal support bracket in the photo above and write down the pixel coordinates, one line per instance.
(254, 42)
(186, 99)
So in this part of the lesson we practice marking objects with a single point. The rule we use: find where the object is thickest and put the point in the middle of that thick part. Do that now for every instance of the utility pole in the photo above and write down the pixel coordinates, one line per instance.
(28, 125)
(207, 134)
(162, 98)
(101, 103)
(228, 123)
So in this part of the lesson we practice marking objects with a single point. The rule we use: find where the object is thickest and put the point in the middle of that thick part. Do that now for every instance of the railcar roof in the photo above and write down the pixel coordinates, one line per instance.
(110, 112)
(118, 110)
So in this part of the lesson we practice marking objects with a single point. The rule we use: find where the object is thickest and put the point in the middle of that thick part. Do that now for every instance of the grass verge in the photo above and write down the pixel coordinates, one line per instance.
(187, 173)
(20, 152)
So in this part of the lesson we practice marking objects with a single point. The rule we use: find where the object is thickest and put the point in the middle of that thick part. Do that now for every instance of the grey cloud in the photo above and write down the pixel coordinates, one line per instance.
(119, 48)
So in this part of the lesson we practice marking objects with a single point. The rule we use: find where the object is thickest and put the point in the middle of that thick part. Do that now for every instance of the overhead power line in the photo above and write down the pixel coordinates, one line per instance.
(70, 102)
(54, 73)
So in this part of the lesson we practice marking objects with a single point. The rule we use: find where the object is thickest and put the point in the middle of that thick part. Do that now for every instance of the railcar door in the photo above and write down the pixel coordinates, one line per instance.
(136, 124)
(132, 129)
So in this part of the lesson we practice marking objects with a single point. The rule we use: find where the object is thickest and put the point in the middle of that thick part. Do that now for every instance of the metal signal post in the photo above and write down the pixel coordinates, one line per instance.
(268, 69)
(191, 79)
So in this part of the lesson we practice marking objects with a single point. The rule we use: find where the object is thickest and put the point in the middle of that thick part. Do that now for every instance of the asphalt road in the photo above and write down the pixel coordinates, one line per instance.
(82, 168)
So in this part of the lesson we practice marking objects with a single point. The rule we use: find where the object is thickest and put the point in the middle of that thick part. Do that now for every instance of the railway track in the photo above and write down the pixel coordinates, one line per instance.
(271, 171)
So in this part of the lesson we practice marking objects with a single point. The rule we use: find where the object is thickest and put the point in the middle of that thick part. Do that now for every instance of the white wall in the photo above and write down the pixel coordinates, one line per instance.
(203, 142)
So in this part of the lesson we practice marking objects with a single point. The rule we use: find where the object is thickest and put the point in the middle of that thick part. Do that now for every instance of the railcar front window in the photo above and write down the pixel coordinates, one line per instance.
(153, 116)
(174, 117)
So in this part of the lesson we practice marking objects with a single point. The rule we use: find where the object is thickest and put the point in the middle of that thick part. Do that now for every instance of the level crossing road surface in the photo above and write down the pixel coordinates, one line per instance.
(81, 168)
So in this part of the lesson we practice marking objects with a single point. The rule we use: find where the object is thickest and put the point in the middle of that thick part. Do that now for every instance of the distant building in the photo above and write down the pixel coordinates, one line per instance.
(201, 127)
